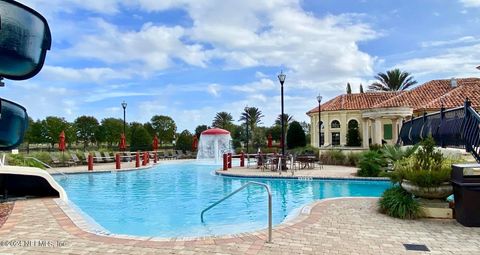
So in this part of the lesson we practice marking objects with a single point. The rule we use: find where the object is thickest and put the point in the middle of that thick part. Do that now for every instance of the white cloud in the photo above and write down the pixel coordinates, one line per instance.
(214, 89)
(470, 3)
(151, 48)
(262, 85)
(457, 61)
(59, 73)
(461, 40)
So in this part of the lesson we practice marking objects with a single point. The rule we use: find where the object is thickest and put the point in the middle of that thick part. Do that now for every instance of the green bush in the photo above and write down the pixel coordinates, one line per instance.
(398, 203)
(305, 150)
(295, 136)
(370, 164)
(333, 157)
(426, 168)
(352, 159)
(375, 147)
(19, 160)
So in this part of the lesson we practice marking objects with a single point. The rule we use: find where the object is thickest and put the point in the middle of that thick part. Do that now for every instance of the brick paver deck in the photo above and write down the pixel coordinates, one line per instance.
(338, 226)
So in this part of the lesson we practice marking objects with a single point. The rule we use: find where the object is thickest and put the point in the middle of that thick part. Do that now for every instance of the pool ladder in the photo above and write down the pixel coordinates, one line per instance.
(238, 190)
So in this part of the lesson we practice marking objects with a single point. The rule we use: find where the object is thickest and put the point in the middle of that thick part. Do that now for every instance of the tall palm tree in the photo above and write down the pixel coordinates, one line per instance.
(222, 120)
(287, 119)
(393, 80)
(254, 116)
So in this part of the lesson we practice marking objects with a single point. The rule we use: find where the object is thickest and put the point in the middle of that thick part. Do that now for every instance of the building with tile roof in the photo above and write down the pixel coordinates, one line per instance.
(379, 115)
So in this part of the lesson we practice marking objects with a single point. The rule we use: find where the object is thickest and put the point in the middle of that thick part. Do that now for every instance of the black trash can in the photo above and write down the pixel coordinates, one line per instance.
(466, 191)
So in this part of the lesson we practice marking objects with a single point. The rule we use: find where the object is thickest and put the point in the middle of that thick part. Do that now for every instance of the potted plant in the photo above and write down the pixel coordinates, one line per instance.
(426, 173)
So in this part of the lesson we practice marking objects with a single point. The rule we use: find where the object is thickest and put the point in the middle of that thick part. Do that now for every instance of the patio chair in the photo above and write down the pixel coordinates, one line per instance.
(180, 154)
(172, 155)
(108, 158)
(98, 157)
(75, 158)
(54, 161)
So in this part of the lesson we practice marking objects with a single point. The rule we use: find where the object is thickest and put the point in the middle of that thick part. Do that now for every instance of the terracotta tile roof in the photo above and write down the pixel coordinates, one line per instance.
(356, 101)
(426, 96)
(456, 97)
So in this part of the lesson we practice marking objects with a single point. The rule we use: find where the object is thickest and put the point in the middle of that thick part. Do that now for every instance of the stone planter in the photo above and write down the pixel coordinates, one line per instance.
(439, 192)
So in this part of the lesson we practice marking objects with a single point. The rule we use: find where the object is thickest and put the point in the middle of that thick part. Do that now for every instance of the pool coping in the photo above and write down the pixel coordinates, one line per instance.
(76, 223)
(300, 177)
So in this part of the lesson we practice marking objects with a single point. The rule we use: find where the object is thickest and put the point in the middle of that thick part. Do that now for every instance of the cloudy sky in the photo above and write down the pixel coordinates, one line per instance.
(191, 59)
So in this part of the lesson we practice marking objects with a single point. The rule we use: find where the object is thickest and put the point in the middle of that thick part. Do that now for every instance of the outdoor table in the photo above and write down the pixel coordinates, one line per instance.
(306, 161)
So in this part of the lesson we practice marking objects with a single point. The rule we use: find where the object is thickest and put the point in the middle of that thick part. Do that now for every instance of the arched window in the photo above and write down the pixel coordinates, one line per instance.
(353, 124)
(335, 124)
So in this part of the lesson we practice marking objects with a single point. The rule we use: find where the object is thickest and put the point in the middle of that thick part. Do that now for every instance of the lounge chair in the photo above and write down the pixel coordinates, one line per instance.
(98, 157)
(172, 155)
(161, 155)
(54, 161)
(75, 158)
(180, 154)
(107, 157)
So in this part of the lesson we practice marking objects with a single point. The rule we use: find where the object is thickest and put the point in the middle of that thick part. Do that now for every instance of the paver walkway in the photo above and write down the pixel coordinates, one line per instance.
(339, 226)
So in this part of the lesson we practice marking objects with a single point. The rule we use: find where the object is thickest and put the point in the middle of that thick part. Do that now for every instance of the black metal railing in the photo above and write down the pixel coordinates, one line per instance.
(456, 127)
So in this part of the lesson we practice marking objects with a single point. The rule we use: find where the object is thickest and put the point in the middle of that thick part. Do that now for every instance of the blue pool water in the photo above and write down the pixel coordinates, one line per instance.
(166, 201)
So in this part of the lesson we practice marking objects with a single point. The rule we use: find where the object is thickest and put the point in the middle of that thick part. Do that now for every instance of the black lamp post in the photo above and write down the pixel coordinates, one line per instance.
(124, 106)
(281, 78)
(319, 99)
(246, 122)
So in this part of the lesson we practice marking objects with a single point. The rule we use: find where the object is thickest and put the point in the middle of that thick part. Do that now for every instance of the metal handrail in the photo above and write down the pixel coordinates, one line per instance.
(46, 165)
(238, 190)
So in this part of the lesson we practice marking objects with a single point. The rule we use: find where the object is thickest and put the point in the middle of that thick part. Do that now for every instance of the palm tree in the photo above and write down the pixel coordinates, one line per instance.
(286, 120)
(393, 80)
(254, 116)
(222, 120)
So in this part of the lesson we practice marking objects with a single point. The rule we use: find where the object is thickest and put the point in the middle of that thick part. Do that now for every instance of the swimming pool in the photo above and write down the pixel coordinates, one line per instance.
(166, 200)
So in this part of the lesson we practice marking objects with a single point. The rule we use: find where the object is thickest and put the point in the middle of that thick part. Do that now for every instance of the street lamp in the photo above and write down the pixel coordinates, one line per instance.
(246, 122)
(281, 78)
(124, 106)
(319, 99)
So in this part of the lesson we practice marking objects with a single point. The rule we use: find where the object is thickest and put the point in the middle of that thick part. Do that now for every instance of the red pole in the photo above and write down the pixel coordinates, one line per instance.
(90, 162)
(137, 159)
(144, 161)
(242, 159)
(155, 157)
(225, 162)
(229, 160)
(117, 161)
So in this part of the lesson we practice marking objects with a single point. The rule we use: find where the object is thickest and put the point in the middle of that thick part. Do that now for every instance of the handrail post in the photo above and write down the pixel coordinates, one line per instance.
(269, 240)
(466, 113)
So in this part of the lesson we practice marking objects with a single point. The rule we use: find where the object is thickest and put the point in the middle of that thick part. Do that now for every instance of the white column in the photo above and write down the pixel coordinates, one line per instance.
(378, 132)
(365, 136)
(326, 129)
(394, 130)
(343, 128)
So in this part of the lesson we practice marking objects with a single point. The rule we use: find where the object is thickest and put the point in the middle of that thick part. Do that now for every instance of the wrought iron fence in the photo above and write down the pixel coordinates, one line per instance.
(457, 127)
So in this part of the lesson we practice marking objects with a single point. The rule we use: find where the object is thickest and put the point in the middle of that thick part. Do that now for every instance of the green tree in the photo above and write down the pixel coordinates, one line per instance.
(223, 120)
(259, 138)
(112, 130)
(287, 119)
(353, 134)
(165, 127)
(86, 128)
(185, 141)
(199, 129)
(296, 136)
(361, 88)
(276, 132)
(51, 129)
(349, 88)
(254, 116)
(140, 139)
(306, 127)
(393, 80)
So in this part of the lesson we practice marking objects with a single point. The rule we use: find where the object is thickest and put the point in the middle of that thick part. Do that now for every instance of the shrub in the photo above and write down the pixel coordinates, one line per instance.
(426, 168)
(333, 157)
(398, 203)
(352, 159)
(19, 160)
(295, 136)
(375, 147)
(370, 164)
